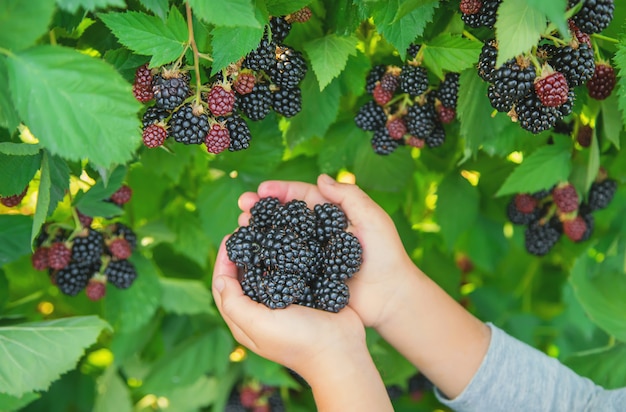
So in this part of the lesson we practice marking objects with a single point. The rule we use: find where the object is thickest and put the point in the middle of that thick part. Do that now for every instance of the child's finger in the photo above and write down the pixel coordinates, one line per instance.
(247, 200)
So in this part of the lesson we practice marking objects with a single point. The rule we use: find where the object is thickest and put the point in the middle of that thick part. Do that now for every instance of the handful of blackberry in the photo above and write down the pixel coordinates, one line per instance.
(291, 254)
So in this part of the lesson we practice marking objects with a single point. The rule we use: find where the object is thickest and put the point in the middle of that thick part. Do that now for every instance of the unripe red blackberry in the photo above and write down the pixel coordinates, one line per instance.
(445, 114)
(525, 203)
(575, 228)
(221, 99)
(170, 89)
(59, 255)
(142, 85)
(39, 259)
(584, 135)
(396, 128)
(96, 289)
(381, 96)
(580, 36)
(120, 248)
(470, 6)
(217, 139)
(122, 195)
(415, 142)
(565, 198)
(154, 135)
(85, 221)
(551, 88)
(301, 16)
(244, 83)
(13, 200)
(602, 82)
(389, 81)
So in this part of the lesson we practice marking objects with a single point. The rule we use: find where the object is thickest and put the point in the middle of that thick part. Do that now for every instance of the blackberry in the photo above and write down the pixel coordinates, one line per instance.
(521, 218)
(289, 68)
(415, 142)
(263, 213)
(281, 290)
(244, 247)
(412, 50)
(122, 195)
(308, 298)
(13, 200)
(234, 402)
(589, 225)
(95, 289)
(331, 295)
(485, 17)
(239, 132)
(437, 137)
(121, 273)
(396, 128)
(154, 136)
(575, 228)
(343, 256)
(501, 101)
(511, 82)
(420, 120)
(284, 252)
(296, 216)
(382, 143)
(567, 107)
(413, 80)
(88, 248)
(170, 88)
(552, 89)
(256, 104)
(540, 238)
(142, 85)
(578, 34)
(584, 135)
(448, 91)
(444, 114)
(389, 81)
(487, 60)
(470, 6)
(534, 116)
(275, 402)
(287, 102)
(525, 203)
(74, 278)
(280, 28)
(602, 82)
(565, 197)
(419, 383)
(59, 255)
(217, 139)
(250, 281)
(601, 194)
(594, 16)
(187, 127)
(154, 115)
(370, 117)
(374, 76)
(381, 96)
(576, 64)
(244, 83)
(301, 16)
(39, 259)
(120, 248)
(261, 58)
(121, 230)
(221, 99)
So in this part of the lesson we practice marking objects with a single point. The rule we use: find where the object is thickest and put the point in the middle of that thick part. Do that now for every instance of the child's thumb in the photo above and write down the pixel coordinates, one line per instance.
(354, 202)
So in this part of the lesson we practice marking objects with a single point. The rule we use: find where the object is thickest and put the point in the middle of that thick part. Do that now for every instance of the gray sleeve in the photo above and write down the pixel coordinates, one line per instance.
(517, 377)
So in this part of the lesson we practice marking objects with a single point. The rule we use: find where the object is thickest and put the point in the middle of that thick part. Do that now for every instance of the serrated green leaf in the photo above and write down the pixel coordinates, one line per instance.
(389, 173)
(9, 118)
(542, 169)
(14, 237)
(189, 361)
(217, 205)
(518, 28)
(77, 106)
(231, 43)
(450, 53)
(619, 59)
(112, 393)
(59, 181)
(19, 149)
(158, 7)
(72, 6)
(284, 7)
(453, 191)
(147, 35)
(611, 119)
(600, 288)
(35, 354)
(16, 172)
(130, 309)
(92, 202)
(23, 22)
(329, 55)
(605, 367)
(339, 144)
(185, 297)
(408, 6)
(43, 196)
(554, 10)
(13, 403)
(226, 13)
(191, 240)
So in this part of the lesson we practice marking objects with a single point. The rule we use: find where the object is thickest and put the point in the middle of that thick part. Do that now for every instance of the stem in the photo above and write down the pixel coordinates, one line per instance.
(470, 36)
(196, 54)
(53, 38)
(533, 58)
(6, 52)
(605, 38)
(556, 40)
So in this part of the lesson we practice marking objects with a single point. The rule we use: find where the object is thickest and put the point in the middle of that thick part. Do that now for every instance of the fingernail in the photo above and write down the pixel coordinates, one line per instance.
(219, 284)
(327, 179)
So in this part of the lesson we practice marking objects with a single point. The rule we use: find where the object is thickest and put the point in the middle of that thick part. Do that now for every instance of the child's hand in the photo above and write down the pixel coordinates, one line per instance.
(385, 263)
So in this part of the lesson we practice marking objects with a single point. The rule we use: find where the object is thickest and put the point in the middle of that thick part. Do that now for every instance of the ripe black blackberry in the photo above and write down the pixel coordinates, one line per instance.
(289, 68)
(576, 64)
(539, 238)
(343, 256)
(501, 101)
(594, 16)
(589, 221)
(187, 127)
(239, 132)
(296, 216)
(601, 194)
(250, 281)
(256, 104)
(420, 119)
(413, 80)
(487, 60)
(374, 76)
(74, 277)
(383, 143)
(261, 58)
(121, 273)
(437, 137)
(370, 117)
(412, 50)
(510, 83)
(88, 248)
(284, 252)
(287, 102)
(244, 247)
(486, 17)
(331, 295)
(280, 28)
(519, 217)
(534, 116)
(330, 219)
(281, 289)
(153, 115)
(264, 212)
(448, 91)
(170, 88)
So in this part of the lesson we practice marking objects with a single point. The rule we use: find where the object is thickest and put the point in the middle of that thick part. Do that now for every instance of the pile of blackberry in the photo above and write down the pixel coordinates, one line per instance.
(267, 79)
(404, 109)
(291, 254)
(548, 214)
(80, 257)
(536, 89)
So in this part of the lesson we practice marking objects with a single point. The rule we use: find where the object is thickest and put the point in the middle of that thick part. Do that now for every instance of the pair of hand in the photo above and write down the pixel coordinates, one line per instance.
(302, 338)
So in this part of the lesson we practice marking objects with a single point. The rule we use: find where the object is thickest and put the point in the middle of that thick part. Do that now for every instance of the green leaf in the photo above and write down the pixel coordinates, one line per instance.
(93, 202)
(185, 297)
(19, 149)
(77, 106)
(16, 172)
(231, 43)
(450, 53)
(9, 118)
(339, 144)
(453, 191)
(385, 173)
(43, 197)
(329, 55)
(542, 169)
(59, 180)
(23, 22)
(605, 367)
(35, 354)
(10, 403)
(611, 123)
(619, 59)
(284, 7)
(225, 13)
(129, 309)
(14, 237)
(191, 240)
(268, 372)
(593, 164)
(148, 35)
(402, 32)
(518, 28)
(554, 10)
(600, 289)
(408, 6)
(158, 7)
(195, 397)
(72, 6)
(187, 362)
(112, 393)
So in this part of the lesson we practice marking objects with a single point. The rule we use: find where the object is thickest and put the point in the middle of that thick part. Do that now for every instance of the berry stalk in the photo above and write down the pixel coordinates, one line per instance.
(196, 53)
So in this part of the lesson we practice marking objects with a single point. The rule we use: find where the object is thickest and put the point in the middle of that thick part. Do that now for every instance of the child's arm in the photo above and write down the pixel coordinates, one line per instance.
(327, 349)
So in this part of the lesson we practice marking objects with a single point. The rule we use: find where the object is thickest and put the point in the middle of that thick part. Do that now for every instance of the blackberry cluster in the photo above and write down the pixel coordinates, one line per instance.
(267, 79)
(85, 257)
(405, 110)
(479, 13)
(291, 254)
(548, 214)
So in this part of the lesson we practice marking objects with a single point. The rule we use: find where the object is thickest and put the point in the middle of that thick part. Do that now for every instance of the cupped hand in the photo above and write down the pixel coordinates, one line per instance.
(386, 264)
